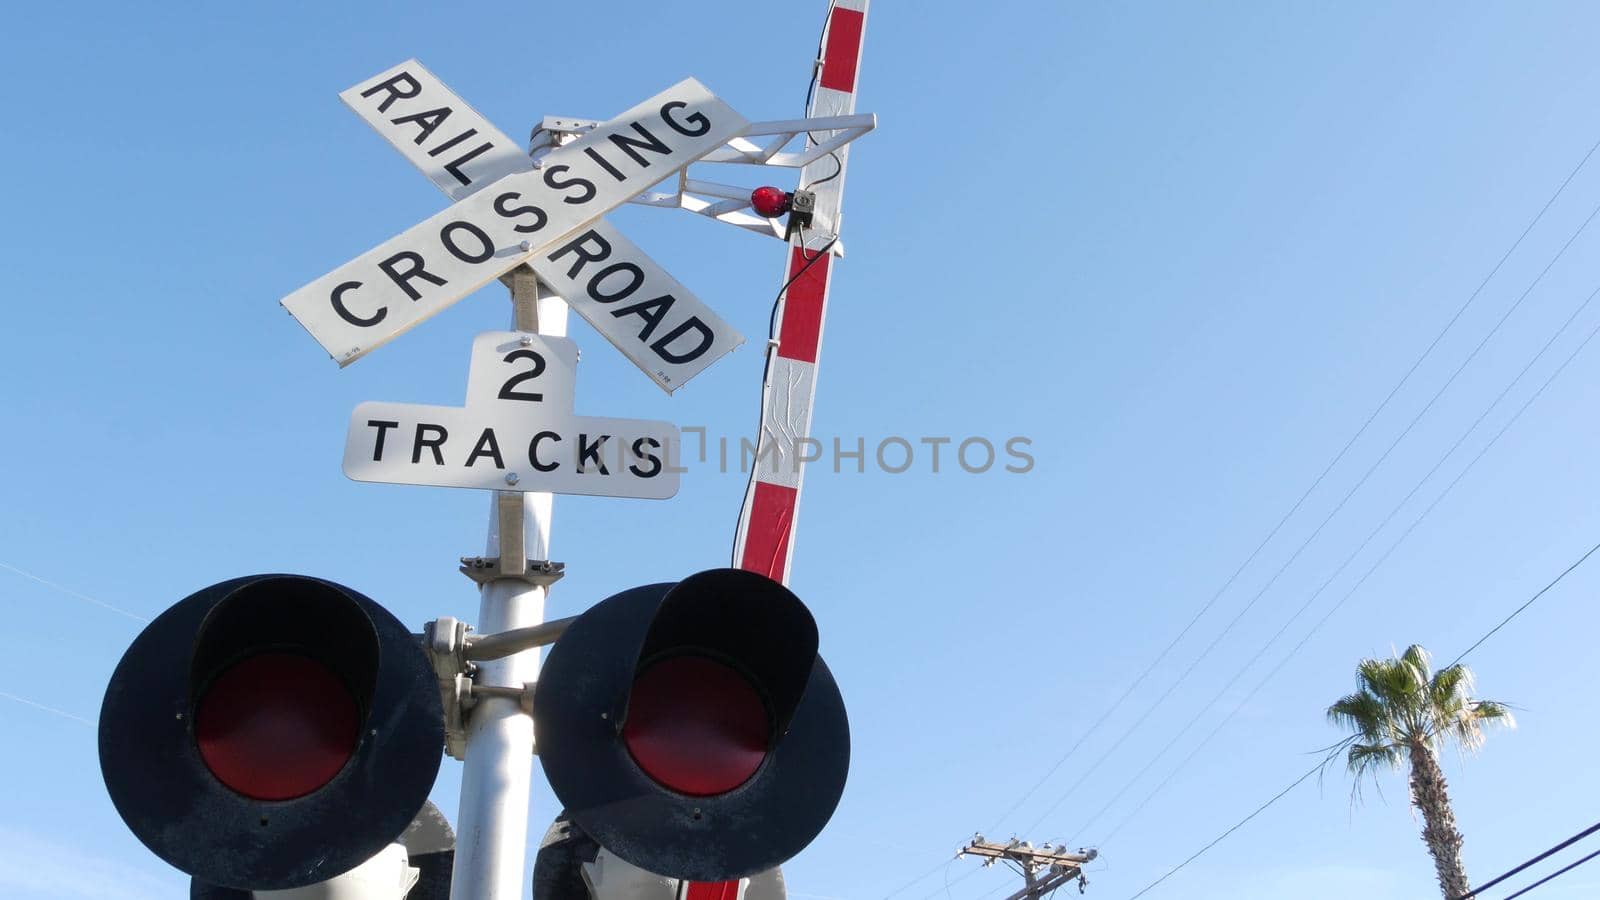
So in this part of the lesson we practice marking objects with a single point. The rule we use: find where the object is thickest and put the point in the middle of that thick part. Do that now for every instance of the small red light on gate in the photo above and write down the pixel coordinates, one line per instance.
(696, 726)
(770, 201)
(276, 726)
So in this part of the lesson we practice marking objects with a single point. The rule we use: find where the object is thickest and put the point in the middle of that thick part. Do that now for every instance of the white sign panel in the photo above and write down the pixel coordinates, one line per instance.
(458, 149)
(641, 309)
(516, 432)
(379, 295)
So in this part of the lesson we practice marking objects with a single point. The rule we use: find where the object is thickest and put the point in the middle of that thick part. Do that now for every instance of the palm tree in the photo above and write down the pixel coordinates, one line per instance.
(1403, 712)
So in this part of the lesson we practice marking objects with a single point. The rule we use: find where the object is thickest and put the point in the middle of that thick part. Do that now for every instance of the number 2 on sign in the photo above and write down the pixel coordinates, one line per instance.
(508, 390)
(523, 369)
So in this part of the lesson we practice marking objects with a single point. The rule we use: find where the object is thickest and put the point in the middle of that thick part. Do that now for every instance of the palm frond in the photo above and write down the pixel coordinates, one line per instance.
(1330, 753)
(1494, 712)
(1369, 759)
(1451, 681)
(1393, 683)
(1363, 713)
(1448, 701)
(1401, 702)
(1418, 663)
(1467, 727)
(1364, 760)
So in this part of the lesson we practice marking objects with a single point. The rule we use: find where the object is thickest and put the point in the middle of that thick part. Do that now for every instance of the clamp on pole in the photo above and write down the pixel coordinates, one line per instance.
(494, 646)
(445, 640)
(454, 652)
(523, 695)
(536, 572)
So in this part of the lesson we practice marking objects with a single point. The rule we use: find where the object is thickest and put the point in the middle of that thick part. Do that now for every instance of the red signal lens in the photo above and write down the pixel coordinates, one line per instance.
(769, 201)
(276, 726)
(696, 726)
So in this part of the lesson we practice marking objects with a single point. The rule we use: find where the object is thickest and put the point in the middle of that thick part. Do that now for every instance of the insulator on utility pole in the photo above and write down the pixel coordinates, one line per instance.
(1043, 869)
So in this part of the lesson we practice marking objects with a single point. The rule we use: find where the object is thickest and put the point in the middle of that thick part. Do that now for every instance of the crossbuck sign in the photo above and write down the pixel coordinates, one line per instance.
(633, 302)
(522, 217)
(517, 430)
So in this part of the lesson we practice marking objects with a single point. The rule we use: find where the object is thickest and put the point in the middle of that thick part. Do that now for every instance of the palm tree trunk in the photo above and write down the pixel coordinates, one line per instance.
(1431, 796)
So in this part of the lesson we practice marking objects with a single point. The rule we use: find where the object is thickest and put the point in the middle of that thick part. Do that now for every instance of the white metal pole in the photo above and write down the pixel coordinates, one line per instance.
(496, 781)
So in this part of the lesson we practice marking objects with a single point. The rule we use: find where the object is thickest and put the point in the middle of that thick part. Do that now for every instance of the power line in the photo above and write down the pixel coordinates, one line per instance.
(1304, 544)
(72, 593)
(1343, 451)
(49, 709)
(949, 882)
(1518, 611)
(1240, 824)
(923, 877)
(1369, 538)
(1554, 875)
(1314, 628)
(1319, 766)
(1368, 574)
(1537, 859)
(992, 891)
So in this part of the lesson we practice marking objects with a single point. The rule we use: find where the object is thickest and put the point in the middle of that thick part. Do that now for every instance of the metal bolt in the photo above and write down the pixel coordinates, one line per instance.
(512, 478)
(527, 340)
(527, 246)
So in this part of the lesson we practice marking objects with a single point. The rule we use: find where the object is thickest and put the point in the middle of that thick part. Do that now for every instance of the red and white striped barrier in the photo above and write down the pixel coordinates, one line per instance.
(765, 541)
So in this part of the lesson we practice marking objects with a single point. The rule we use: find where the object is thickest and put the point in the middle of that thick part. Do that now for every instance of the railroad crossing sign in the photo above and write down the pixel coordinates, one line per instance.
(545, 211)
(516, 432)
(633, 302)
(374, 298)
(250, 638)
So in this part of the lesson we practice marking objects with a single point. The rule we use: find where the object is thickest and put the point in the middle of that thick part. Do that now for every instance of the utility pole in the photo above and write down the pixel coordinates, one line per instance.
(1043, 869)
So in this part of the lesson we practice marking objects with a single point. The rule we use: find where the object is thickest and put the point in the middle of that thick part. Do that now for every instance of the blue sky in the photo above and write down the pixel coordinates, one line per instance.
(1184, 249)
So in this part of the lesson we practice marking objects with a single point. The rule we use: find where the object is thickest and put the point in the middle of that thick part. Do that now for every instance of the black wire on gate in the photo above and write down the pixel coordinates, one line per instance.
(1553, 875)
(811, 91)
(772, 317)
(816, 59)
(772, 330)
(1469, 895)
(838, 166)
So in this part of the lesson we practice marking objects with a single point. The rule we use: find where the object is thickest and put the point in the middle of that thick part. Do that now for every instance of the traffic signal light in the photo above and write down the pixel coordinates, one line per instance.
(691, 728)
(271, 732)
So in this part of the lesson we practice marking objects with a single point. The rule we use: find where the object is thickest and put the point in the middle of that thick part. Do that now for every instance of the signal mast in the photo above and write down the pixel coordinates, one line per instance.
(280, 733)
